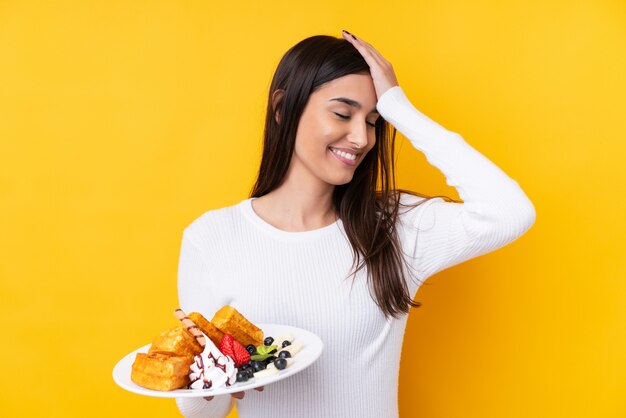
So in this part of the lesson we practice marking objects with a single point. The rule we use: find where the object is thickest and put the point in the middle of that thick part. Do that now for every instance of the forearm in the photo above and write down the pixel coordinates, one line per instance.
(491, 198)
(494, 212)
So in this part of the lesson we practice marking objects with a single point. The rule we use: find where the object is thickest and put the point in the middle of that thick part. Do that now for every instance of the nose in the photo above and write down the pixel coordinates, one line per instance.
(358, 135)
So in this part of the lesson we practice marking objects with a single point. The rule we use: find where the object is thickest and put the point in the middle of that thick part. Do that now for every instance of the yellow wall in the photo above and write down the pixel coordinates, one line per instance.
(122, 121)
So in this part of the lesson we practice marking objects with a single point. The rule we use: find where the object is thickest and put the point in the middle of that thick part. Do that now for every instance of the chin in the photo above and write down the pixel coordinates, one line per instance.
(339, 181)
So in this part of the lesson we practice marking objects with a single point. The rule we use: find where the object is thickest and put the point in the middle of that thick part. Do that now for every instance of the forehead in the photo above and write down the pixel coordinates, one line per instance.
(357, 87)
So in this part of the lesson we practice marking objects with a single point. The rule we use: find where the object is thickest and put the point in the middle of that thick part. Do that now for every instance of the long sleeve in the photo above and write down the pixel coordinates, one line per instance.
(193, 287)
(495, 210)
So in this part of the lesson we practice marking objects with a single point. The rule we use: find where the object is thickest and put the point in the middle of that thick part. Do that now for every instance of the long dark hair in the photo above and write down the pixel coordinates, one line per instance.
(369, 203)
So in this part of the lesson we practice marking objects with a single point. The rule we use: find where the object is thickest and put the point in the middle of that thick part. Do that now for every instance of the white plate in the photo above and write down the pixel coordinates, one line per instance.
(311, 350)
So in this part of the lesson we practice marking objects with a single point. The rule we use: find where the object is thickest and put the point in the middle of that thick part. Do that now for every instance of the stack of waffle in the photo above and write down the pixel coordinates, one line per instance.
(166, 365)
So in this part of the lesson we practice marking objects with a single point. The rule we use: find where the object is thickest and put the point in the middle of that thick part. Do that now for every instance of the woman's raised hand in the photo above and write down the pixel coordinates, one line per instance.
(381, 70)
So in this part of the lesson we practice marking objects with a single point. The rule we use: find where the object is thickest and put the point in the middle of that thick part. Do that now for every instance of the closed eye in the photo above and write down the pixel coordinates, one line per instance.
(348, 117)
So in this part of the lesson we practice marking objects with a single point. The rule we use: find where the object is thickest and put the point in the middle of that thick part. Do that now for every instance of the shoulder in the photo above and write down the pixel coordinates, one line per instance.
(413, 206)
(409, 202)
(414, 199)
(214, 223)
(408, 198)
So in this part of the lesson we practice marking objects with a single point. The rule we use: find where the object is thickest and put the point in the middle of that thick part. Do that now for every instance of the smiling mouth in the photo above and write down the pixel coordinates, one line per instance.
(345, 157)
(344, 154)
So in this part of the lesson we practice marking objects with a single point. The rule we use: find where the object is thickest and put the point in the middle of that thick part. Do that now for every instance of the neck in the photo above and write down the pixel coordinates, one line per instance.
(301, 202)
(300, 208)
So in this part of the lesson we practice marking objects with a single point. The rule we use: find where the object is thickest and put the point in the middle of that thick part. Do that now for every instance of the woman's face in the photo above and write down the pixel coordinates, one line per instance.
(336, 129)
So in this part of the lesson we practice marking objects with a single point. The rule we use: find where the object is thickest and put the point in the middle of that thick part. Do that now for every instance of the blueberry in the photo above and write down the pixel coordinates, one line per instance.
(251, 349)
(286, 343)
(273, 351)
(258, 366)
(268, 341)
(284, 354)
(280, 363)
(270, 359)
(250, 373)
(242, 376)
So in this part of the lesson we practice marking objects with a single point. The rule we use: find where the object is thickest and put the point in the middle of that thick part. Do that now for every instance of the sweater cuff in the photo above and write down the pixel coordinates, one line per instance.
(218, 407)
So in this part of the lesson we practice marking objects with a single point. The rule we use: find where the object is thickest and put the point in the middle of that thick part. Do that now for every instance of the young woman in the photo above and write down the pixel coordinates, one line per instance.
(327, 243)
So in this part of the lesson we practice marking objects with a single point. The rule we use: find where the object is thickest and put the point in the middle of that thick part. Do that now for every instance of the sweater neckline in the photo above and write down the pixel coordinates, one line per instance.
(248, 210)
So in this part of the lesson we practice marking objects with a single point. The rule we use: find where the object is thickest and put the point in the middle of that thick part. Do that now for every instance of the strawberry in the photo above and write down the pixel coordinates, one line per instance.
(226, 345)
(241, 354)
(232, 348)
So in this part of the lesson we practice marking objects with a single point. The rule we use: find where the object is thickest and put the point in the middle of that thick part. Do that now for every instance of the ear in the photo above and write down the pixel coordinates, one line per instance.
(277, 96)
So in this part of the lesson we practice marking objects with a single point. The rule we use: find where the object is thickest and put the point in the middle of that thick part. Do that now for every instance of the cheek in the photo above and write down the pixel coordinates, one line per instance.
(315, 138)
(324, 133)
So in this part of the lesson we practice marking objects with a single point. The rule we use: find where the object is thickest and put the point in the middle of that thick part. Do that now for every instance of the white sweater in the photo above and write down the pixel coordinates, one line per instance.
(232, 256)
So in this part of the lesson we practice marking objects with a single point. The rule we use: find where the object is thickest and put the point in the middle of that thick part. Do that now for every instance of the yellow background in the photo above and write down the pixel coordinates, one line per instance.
(122, 121)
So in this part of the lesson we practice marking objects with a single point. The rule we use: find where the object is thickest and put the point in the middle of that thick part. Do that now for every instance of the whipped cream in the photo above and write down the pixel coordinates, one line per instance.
(212, 369)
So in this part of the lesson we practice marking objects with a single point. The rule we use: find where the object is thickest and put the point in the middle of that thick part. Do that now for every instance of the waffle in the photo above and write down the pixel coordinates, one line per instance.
(166, 365)
(161, 371)
(228, 320)
(210, 330)
(176, 341)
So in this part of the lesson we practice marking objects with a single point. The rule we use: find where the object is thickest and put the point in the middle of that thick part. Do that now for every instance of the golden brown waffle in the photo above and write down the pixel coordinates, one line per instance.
(177, 341)
(161, 371)
(230, 321)
(210, 330)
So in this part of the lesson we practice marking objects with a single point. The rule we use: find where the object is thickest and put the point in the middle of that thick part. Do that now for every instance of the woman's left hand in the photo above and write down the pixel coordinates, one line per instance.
(381, 70)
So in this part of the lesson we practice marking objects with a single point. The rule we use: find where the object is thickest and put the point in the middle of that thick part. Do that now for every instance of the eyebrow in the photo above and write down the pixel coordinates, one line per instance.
(352, 103)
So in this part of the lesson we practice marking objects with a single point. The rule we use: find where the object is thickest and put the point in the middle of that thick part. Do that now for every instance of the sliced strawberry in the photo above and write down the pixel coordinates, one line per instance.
(226, 345)
(232, 348)
(241, 354)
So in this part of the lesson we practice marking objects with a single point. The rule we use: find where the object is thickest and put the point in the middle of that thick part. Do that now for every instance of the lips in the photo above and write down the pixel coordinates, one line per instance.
(348, 158)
